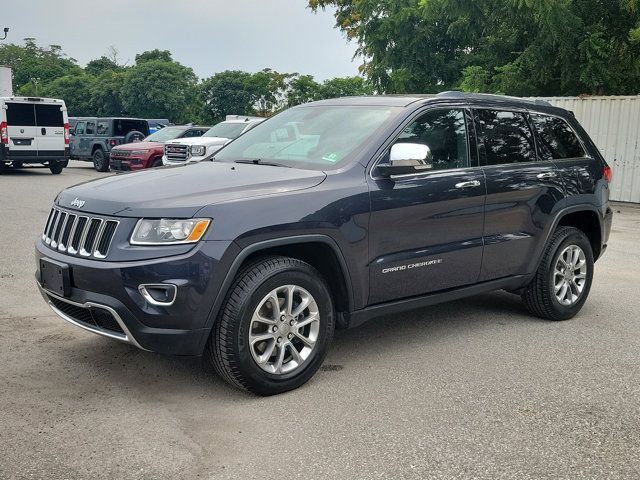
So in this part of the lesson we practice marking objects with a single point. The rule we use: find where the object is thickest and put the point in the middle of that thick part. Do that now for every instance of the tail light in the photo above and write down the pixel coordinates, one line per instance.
(4, 133)
(113, 142)
(66, 134)
(608, 173)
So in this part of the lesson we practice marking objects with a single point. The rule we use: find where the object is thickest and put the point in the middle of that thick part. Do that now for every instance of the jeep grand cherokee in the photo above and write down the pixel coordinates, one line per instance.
(325, 216)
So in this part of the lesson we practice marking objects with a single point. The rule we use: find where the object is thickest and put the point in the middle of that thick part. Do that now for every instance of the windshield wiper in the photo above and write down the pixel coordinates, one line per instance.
(259, 161)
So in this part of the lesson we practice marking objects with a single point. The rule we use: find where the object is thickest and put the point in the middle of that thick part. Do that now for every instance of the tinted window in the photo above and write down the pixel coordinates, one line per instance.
(556, 140)
(49, 116)
(445, 133)
(102, 128)
(226, 130)
(507, 137)
(193, 133)
(21, 114)
(80, 128)
(91, 128)
(122, 126)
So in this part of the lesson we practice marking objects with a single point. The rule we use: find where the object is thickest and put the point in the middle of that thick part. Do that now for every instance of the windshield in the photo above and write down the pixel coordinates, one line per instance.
(226, 130)
(166, 134)
(313, 137)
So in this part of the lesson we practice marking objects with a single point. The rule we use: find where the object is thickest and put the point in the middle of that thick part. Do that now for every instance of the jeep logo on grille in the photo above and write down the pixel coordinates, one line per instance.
(77, 203)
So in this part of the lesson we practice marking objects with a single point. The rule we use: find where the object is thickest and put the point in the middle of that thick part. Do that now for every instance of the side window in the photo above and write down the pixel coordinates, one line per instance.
(80, 126)
(556, 139)
(102, 128)
(507, 137)
(445, 133)
(193, 133)
(91, 128)
(21, 114)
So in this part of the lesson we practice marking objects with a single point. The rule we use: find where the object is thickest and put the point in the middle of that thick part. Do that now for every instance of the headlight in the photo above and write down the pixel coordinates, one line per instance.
(169, 231)
(198, 150)
(139, 152)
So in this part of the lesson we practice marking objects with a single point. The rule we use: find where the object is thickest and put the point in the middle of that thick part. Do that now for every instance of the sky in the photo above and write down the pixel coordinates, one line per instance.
(207, 35)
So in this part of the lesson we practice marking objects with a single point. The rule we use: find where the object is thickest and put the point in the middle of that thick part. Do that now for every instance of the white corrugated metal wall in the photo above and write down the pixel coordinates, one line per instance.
(614, 125)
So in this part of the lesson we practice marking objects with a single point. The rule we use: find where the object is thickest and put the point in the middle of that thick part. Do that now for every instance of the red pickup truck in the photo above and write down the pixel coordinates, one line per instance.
(148, 153)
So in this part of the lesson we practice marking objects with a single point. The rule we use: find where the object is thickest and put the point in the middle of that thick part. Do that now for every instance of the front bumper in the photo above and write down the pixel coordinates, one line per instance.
(104, 297)
(128, 164)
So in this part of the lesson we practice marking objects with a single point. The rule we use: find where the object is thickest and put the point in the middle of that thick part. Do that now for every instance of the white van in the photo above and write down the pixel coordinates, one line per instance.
(34, 131)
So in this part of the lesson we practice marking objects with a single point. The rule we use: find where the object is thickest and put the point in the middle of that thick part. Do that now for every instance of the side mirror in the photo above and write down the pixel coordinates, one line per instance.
(407, 158)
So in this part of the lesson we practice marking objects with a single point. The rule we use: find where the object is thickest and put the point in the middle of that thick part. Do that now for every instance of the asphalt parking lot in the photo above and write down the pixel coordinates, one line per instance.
(471, 389)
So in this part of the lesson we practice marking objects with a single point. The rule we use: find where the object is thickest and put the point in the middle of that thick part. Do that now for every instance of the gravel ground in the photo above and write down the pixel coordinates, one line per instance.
(471, 389)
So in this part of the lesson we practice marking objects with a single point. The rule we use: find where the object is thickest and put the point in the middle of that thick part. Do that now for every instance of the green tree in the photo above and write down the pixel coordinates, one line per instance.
(303, 89)
(520, 47)
(152, 55)
(33, 62)
(268, 90)
(75, 90)
(345, 87)
(227, 93)
(106, 94)
(159, 89)
(99, 65)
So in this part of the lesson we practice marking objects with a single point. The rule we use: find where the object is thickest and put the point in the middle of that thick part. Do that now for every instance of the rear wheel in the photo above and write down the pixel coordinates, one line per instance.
(563, 280)
(275, 327)
(100, 162)
(57, 167)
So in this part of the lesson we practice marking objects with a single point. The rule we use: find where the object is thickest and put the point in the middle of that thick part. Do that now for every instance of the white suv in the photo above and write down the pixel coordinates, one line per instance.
(187, 150)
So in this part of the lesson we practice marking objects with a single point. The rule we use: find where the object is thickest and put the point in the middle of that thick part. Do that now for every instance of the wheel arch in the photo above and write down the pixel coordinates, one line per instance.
(96, 146)
(308, 248)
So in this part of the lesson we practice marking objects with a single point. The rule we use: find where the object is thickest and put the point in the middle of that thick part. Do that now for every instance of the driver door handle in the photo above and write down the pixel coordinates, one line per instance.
(544, 175)
(469, 184)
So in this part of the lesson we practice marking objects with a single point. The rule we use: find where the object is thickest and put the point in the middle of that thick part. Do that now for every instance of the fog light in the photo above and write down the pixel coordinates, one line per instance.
(161, 294)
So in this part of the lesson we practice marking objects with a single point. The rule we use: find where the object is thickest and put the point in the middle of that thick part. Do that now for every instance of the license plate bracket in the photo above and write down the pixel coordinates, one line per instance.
(55, 277)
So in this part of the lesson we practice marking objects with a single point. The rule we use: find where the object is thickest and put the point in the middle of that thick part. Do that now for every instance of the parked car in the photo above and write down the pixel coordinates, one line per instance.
(371, 206)
(148, 153)
(178, 152)
(34, 131)
(156, 124)
(93, 138)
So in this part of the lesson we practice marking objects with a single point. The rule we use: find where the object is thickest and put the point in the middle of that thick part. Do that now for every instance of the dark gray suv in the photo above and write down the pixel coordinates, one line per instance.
(324, 216)
(93, 138)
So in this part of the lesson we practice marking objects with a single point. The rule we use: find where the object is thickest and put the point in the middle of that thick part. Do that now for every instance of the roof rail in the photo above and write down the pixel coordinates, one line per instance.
(458, 94)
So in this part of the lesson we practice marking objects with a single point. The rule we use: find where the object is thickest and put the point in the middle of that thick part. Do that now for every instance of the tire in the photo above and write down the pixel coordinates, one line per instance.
(541, 295)
(56, 167)
(228, 348)
(134, 136)
(157, 162)
(100, 162)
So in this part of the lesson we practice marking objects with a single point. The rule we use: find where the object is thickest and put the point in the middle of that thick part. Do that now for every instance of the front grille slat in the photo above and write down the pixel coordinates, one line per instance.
(177, 152)
(87, 235)
(92, 317)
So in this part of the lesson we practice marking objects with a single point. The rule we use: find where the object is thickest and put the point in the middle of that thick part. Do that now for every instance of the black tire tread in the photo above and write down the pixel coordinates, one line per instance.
(220, 343)
(534, 294)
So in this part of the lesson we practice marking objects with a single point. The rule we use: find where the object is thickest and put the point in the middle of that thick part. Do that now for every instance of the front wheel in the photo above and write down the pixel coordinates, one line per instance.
(100, 162)
(275, 327)
(563, 280)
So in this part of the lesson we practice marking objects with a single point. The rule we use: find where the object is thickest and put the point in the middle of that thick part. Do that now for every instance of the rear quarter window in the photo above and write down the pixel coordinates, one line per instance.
(556, 139)
(122, 126)
(21, 114)
(49, 116)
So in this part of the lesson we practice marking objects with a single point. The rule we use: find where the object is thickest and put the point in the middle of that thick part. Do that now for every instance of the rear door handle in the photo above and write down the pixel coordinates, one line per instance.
(544, 175)
(469, 184)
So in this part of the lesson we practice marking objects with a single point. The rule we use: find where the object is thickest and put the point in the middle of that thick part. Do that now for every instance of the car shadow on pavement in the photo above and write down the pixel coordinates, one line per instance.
(152, 375)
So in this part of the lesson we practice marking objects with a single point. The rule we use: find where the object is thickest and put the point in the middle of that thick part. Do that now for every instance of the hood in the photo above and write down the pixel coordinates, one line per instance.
(199, 141)
(139, 146)
(183, 190)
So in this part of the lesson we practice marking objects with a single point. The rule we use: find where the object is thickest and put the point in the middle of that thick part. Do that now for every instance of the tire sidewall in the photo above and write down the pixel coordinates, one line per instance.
(574, 238)
(260, 379)
(99, 160)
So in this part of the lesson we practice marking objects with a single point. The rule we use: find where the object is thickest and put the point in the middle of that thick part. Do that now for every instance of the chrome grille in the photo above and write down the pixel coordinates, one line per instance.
(176, 152)
(83, 235)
